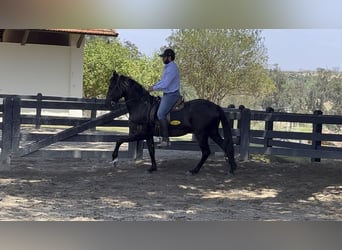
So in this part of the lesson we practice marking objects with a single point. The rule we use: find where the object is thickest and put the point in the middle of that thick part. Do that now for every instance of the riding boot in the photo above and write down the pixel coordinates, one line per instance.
(164, 132)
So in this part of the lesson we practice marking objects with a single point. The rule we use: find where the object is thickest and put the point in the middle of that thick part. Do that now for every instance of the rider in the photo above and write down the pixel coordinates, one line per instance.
(169, 84)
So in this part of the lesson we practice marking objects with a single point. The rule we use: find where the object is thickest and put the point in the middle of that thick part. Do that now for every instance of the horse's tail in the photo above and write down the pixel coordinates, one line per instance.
(228, 139)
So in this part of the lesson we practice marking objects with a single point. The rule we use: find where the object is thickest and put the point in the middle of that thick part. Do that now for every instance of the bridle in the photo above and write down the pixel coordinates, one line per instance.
(143, 98)
(112, 103)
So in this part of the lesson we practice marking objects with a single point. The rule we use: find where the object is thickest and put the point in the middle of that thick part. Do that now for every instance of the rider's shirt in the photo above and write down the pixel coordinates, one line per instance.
(170, 81)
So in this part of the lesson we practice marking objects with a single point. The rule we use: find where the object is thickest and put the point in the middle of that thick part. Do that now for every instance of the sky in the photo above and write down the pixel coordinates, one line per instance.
(291, 49)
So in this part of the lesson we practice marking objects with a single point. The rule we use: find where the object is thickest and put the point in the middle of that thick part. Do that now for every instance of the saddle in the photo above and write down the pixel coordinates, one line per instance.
(179, 105)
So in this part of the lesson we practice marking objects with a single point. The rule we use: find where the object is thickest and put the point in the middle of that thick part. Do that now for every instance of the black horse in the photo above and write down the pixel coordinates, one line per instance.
(200, 117)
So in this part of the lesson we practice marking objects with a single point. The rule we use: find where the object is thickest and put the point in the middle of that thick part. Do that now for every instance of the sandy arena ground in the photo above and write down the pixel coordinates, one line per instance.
(79, 190)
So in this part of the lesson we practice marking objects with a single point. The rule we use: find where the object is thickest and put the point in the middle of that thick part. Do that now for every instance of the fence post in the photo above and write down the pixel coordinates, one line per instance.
(135, 148)
(268, 127)
(231, 106)
(16, 124)
(241, 108)
(244, 126)
(39, 110)
(10, 129)
(138, 152)
(316, 130)
(93, 112)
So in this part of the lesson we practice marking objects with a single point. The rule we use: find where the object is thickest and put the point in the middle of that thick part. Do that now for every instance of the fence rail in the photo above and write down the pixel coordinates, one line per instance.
(247, 140)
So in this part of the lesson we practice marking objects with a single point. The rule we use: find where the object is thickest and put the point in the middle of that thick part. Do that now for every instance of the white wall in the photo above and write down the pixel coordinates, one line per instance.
(31, 68)
(48, 69)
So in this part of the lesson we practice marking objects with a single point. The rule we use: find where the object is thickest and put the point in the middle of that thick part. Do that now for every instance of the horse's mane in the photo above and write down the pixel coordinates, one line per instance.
(133, 85)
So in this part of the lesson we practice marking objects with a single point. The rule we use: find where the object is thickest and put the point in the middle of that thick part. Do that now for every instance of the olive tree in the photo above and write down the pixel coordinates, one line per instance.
(222, 62)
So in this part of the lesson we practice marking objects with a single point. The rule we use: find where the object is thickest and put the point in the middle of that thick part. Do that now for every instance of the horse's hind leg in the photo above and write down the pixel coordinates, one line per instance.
(231, 157)
(228, 150)
(151, 150)
(216, 137)
(204, 146)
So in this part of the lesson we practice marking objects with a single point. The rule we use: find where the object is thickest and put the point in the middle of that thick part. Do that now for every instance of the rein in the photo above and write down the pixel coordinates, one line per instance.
(137, 98)
(131, 99)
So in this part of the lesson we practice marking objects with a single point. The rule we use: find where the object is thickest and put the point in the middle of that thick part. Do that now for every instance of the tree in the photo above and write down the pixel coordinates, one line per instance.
(102, 56)
(276, 99)
(218, 62)
(335, 94)
(325, 92)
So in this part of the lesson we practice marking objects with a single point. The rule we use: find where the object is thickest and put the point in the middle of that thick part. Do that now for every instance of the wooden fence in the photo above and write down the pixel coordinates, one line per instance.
(265, 140)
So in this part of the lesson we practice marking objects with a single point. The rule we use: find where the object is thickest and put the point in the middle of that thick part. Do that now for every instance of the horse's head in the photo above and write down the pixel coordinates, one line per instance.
(115, 89)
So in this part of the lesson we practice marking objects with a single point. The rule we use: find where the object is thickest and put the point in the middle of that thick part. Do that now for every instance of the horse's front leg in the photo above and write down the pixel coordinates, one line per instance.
(151, 150)
(129, 138)
(115, 153)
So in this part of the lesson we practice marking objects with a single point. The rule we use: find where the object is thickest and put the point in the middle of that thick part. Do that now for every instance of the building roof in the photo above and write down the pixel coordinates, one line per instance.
(30, 35)
(96, 32)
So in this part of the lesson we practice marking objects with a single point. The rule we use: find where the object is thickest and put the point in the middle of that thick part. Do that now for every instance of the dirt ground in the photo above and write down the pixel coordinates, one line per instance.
(88, 190)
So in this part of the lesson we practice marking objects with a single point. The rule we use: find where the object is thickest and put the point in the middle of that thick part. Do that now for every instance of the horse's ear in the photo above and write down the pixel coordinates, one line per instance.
(114, 72)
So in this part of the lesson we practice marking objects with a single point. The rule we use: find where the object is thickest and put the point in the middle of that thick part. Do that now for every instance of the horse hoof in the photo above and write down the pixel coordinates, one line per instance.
(191, 172)
(114, 162)
(151, 170)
